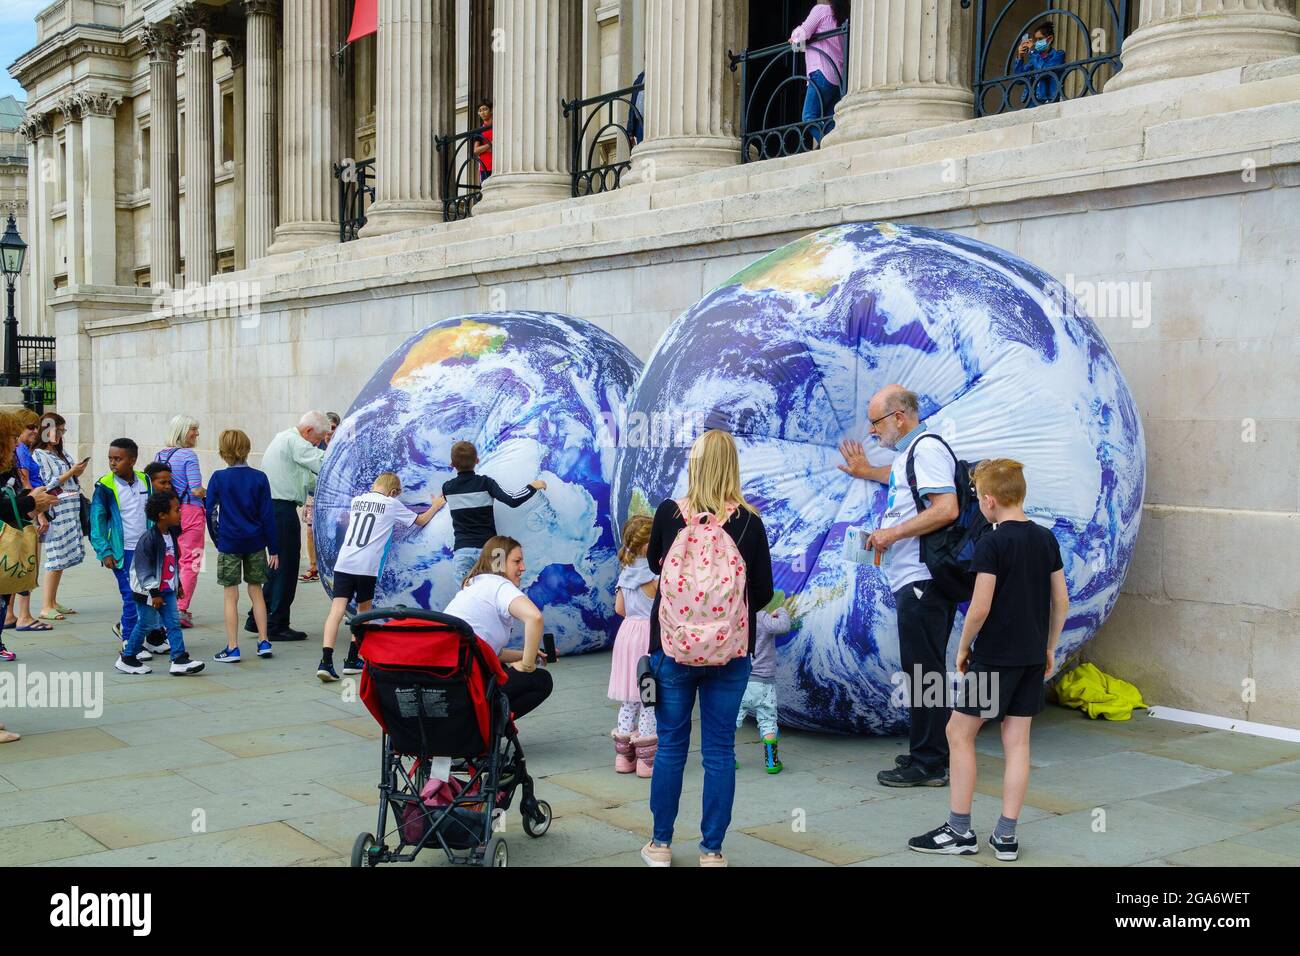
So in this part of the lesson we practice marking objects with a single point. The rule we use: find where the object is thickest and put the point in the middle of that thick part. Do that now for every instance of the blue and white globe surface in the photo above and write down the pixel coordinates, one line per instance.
(787, 353)
(534, 392)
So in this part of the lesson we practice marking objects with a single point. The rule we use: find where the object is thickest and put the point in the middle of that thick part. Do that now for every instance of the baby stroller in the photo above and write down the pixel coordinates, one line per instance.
(435, 689)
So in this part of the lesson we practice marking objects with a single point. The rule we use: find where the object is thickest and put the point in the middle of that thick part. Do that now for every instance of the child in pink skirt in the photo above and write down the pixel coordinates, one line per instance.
(636, 738)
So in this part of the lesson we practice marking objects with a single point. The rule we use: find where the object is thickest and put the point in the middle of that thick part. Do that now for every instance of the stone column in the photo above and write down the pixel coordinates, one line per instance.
(233, 47)
(537, 67)
(164, 171)
(261, 166)
(909, 68)
(309, 142)
(480, 57)
(36, 129)
(200, 172)
(99, 207)
(1178, 38)
(74, 180)
(692, 98)
(414, 101)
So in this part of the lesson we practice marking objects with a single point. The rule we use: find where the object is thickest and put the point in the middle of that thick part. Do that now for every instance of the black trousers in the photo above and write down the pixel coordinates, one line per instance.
(527, 691)
(924, 626)
(282, 582)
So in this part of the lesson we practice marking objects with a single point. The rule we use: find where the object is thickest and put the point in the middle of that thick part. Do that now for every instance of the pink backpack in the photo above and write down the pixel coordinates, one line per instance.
(703, 606)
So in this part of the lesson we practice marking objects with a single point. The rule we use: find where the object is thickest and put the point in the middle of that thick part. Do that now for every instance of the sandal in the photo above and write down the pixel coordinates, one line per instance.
(8, 737)
(63, 610)
(311, 575)
(51, 616)
(35, 626)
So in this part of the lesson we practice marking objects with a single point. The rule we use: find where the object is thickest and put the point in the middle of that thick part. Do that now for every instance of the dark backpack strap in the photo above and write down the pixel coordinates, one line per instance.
(911, 467)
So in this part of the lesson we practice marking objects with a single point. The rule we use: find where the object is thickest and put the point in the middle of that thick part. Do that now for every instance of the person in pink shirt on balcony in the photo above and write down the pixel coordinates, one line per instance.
(824, 59)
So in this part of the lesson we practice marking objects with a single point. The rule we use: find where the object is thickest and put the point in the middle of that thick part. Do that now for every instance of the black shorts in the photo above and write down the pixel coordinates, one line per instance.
(358, 587)
(993, 691)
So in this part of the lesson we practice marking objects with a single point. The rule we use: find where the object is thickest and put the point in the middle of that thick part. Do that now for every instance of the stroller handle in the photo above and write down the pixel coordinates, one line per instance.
(415, 613)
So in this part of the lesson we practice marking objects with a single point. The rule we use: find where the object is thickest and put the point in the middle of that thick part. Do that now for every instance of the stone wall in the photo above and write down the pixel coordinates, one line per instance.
(1186, 187)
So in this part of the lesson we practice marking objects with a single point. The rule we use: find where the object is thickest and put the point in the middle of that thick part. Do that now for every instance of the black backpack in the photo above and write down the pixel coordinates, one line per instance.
(948, 551)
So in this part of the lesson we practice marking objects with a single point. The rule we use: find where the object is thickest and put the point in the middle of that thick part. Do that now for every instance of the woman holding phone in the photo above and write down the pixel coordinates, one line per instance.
(490, 601)
(63, 546)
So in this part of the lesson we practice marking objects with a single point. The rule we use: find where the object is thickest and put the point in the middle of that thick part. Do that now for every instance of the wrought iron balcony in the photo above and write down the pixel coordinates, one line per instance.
(602, 132)
(462, 172)
(356, 193)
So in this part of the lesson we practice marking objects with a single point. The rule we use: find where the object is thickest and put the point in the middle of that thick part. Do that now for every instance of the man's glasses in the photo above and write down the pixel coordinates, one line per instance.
(877, 421)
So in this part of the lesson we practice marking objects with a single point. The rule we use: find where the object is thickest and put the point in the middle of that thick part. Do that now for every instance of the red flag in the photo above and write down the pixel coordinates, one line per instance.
(365, 19)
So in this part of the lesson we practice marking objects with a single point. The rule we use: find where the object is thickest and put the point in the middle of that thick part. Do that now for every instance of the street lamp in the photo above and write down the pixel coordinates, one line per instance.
(12, 252)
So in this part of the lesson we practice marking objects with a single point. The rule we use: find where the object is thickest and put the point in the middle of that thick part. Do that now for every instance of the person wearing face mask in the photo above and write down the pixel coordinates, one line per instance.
(1036, 54)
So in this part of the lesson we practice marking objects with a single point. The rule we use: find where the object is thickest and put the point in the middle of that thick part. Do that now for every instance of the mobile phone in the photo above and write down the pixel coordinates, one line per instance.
(84, 460)
(54, 491)
(548, 645)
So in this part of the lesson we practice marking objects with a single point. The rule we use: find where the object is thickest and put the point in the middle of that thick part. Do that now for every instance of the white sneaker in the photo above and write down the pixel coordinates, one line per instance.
(163, 648)
(183, 666)
(141, 654)
(117, 630)
(129, 665)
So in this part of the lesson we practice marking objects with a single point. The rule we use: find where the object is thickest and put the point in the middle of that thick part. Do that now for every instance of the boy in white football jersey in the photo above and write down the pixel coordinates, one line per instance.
(371, 518)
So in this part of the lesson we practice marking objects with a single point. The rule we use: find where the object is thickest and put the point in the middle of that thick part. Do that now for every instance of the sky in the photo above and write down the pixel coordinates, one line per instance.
(17, 36)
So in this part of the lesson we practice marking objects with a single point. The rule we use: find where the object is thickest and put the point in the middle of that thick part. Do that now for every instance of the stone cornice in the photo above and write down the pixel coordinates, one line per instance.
(67, 46)
(267, 8)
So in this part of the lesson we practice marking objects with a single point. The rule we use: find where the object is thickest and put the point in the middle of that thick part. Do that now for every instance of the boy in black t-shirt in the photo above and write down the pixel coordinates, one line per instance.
(1018, 610)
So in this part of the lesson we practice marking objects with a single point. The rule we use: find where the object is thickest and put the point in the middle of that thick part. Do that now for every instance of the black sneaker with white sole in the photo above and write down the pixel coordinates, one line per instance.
(912, 774)
(945, 840)
(131, 665)
(353, 665)
(1005, 850)
(163, 648)
(183, 666)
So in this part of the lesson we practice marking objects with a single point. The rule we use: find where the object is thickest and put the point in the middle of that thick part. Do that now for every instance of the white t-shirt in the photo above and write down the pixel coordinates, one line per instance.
(935, 474)
(130, 505)
(370, 525)
(485, 606)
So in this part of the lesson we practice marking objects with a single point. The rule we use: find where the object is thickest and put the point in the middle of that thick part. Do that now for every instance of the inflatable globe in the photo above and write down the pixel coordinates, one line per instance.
(534, 392)
(786, 355)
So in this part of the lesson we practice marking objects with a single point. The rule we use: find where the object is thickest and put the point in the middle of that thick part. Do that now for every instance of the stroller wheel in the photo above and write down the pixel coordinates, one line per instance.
(539, 821)
(361, 850)
(496, 853)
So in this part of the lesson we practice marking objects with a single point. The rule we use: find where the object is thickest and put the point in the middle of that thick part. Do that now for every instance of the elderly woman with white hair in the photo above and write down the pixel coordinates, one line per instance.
(187, 481)
(291, 463)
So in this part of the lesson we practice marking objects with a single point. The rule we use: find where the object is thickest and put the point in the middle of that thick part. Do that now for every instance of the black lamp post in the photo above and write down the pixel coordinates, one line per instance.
(12, 252)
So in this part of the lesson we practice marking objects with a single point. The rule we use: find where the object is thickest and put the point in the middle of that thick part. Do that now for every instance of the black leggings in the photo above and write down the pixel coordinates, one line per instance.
(527, 691)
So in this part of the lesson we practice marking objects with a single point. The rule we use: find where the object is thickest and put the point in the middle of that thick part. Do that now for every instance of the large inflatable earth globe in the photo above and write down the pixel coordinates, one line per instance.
(786, 354)
(534, 392)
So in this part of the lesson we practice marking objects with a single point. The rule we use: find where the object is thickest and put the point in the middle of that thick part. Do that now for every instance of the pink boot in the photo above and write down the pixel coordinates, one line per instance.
(645, 755)
(624, 755)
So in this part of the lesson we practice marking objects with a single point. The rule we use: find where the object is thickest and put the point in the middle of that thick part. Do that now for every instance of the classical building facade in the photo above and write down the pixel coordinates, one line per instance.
(230, 147)
(13, 186)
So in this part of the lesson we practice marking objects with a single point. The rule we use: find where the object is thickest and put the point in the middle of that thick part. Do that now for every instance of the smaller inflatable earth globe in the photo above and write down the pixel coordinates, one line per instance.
(787, 353)
(534, 392)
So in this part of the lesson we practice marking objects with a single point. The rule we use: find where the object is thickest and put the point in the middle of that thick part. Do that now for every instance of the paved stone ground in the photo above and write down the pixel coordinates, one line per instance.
(285, 772)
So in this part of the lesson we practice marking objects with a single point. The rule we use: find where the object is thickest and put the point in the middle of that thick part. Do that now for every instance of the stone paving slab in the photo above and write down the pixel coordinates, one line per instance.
(286, 770)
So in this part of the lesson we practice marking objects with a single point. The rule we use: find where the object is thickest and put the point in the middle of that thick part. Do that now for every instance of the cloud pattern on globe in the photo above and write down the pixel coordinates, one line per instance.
(786, 355)
(534, 391)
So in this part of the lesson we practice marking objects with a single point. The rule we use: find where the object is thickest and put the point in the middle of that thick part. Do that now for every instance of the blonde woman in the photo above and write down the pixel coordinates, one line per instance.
(713, 487)
(187, 482)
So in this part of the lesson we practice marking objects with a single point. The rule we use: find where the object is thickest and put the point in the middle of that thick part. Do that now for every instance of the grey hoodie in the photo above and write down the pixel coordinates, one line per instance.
(768, 627)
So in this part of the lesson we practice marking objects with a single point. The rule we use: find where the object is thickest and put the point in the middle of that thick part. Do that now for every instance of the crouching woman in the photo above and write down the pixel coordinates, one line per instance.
(490, 601)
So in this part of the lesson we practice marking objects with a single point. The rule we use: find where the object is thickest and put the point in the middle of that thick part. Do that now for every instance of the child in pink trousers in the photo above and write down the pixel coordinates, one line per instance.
(636, 737)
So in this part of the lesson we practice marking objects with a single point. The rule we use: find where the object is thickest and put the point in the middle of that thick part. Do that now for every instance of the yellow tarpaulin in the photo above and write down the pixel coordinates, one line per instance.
(1098, 694)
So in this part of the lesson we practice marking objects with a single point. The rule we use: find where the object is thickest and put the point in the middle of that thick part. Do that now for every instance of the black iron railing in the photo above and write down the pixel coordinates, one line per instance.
(599, 138)
(356, 193)
(1002, 82)
(775, 87)
(462, 173)
(36, 371)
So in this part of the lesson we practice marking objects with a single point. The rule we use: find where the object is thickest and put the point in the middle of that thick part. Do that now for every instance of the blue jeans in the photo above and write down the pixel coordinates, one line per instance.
(462, 559)
(820, 101)
(123, 574)
(149, 619)
(720, 690)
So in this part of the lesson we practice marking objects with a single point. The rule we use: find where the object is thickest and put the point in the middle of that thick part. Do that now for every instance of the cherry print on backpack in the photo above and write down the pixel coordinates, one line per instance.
(707, 562)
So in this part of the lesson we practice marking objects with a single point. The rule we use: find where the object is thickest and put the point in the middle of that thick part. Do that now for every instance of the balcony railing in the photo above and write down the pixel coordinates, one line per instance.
(462, 185)
(599, 138)
(775, 86)
(1092, 55)
(36, 371)
(356, 192)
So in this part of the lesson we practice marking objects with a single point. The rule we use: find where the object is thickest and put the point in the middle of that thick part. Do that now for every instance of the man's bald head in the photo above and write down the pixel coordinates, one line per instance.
(885, 424)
